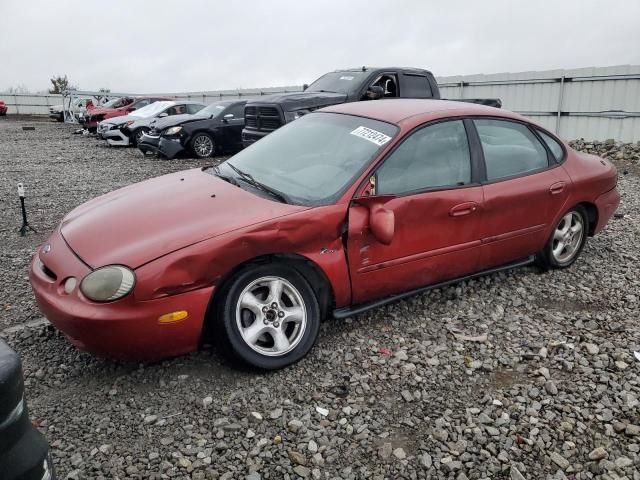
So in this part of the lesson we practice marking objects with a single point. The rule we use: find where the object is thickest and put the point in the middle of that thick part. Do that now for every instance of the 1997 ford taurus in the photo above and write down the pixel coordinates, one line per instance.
(347, 208)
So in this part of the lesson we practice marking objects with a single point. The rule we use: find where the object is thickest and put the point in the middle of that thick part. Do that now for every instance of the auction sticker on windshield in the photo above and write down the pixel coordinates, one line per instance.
(373, 136)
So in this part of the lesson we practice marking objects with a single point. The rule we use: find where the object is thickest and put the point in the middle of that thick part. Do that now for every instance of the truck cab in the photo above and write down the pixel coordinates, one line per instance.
(266, 114)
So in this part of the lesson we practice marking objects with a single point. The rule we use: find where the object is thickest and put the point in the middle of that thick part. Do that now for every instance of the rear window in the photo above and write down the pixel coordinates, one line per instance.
(415, 86)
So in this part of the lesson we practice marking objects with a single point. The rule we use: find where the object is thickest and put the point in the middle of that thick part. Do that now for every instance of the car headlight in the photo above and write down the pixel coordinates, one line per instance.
(173, 131)
(108, 283)
(291, 116)
(128, 123)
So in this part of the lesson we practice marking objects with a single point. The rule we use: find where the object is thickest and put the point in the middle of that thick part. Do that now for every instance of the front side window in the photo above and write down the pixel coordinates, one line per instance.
(194, 107)
(313, 160)
(435, 156)
(554, 146)
(509, 149)
(236, 110)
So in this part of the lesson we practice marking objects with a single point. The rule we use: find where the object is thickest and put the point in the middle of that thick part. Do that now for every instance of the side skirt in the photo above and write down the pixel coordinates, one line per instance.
(363, 307)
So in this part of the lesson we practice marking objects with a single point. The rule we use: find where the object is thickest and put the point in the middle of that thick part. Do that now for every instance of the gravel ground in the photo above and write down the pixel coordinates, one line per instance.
(517, 375)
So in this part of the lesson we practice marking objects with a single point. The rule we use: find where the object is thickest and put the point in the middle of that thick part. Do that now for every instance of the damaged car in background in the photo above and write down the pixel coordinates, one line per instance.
(128, 129)
(213, 130)
(77, 109)
(331, 215)
(116, 108)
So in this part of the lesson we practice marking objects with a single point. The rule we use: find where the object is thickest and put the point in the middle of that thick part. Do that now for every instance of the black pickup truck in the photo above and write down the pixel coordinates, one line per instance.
(264, 115)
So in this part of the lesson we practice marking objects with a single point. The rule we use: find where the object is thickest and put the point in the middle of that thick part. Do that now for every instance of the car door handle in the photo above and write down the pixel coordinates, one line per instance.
(463, 209)
(556, 188)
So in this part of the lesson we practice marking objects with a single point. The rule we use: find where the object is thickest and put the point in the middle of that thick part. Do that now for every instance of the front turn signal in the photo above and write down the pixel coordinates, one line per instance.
(173, 317)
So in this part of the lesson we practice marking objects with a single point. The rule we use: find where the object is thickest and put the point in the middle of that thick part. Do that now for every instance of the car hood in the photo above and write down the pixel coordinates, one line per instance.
(301, 100)
(123, 119)
(170, 121)
(139, 223)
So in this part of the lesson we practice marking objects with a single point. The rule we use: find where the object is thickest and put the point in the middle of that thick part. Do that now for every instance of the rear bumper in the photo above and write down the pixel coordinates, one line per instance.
(607, 204)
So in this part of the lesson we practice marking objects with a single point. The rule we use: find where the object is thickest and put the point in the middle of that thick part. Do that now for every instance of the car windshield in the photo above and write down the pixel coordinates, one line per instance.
(338, 82)
(213, 110)
(313, 160)
(152, 109)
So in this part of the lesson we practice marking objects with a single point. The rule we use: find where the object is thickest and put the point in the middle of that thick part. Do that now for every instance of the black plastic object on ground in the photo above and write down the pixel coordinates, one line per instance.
(24, 453)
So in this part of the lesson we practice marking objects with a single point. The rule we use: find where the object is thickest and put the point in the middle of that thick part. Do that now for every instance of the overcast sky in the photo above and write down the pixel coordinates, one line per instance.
(178, 46)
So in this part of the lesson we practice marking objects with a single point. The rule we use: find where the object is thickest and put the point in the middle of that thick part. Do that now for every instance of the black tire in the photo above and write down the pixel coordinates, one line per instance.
(547, 259)
(137, 135)
(60, 117)
(194, 145)
(228, 331)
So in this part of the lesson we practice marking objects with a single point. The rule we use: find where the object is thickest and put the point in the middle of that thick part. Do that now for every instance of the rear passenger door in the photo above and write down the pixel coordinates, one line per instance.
(523, 192)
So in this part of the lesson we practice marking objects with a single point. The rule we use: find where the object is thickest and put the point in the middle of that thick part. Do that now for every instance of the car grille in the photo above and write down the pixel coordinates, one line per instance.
(262, 118)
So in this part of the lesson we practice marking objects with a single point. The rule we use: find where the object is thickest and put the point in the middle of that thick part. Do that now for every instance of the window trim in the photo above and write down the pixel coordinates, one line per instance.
(473, 159)
(537, 130)
(551, 162)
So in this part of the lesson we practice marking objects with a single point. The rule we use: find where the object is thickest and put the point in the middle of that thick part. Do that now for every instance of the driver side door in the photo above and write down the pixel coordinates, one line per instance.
(430, 184)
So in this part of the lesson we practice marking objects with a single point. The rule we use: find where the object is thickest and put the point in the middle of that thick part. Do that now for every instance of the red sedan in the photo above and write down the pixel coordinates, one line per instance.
(343, 210)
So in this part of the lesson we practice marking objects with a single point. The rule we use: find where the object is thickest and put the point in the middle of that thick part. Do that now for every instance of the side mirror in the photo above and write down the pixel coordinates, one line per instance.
(228, 117)
(375, 92)
(163, 114)
(382, 221)
(305, 86)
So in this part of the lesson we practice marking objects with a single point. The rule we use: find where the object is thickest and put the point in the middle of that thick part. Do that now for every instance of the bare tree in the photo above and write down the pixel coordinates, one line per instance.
(18, 89)
(60, 84)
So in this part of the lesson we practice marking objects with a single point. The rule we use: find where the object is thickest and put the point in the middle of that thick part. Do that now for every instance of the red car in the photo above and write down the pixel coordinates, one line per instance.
(343, 210)
(116, 108)
(3, 107)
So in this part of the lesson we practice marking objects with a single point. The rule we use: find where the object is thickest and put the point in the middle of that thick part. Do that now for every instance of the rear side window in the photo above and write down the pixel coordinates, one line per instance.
(415, 86)
(510, 149)
(433, 157)
(554, 146)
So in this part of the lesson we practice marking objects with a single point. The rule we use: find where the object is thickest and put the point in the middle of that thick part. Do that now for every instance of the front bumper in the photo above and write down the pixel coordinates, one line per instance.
(115, 137)
(250, 136)
(607, 204)
(126, 329)
(170, 147)
(149, 143)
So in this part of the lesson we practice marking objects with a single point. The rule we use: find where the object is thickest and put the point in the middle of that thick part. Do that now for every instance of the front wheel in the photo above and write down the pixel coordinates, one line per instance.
(202, 145)
(137, 136)
(269, 317)
(567, 240)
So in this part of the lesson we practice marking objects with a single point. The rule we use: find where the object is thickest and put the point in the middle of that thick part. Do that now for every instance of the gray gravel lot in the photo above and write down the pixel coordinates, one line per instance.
(552, 391)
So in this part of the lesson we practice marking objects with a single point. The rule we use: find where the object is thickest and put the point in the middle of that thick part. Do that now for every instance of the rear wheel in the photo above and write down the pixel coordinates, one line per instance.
(268, 317)
(567, 240)
(202, 145)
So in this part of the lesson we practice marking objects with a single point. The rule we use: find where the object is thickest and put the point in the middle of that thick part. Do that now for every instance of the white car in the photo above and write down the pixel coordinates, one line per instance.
(128, 129)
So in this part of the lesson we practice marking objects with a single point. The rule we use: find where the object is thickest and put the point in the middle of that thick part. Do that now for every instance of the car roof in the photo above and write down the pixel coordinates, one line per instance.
(403, 110)
(376, 69)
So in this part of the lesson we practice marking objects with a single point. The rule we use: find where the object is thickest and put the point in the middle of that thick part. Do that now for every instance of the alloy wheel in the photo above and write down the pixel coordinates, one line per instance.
(567, 237)
(271, 316)
(203, 145)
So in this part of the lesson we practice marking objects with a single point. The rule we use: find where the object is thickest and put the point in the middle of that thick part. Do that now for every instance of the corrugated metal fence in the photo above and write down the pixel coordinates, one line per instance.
(592, 103)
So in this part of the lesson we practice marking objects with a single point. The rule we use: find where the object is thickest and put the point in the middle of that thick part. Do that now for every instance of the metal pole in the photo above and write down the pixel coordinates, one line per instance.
(560, 96)
(461, 89)
(15, 99)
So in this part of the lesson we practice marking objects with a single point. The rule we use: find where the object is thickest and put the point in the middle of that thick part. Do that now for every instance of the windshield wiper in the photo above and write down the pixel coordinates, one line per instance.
(247, 177)
(217, 173)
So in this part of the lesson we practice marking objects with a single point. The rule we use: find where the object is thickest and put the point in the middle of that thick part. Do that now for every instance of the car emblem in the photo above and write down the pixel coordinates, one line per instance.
(46, 248)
